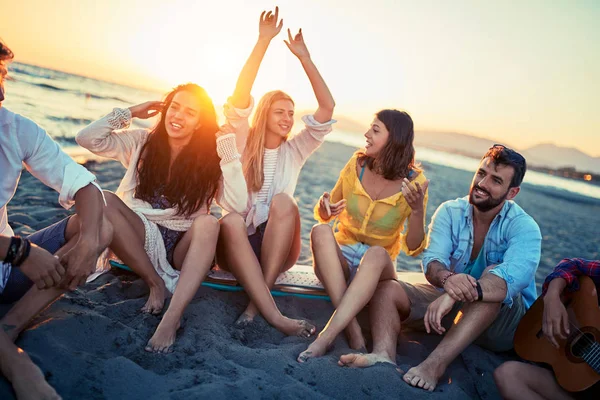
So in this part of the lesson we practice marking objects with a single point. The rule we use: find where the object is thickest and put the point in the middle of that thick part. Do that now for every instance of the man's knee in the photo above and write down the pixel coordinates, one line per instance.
(392, 292)
(389, 290)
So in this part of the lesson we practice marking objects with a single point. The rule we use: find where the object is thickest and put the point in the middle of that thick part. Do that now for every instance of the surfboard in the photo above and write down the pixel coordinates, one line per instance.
(300, 281)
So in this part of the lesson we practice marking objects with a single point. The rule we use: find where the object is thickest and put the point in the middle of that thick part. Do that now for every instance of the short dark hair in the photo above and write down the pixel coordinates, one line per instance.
(6, 56)
(501, 154)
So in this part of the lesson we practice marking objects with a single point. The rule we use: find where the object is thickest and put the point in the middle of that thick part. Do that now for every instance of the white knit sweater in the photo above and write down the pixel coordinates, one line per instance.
(293, 153)
(109, 137)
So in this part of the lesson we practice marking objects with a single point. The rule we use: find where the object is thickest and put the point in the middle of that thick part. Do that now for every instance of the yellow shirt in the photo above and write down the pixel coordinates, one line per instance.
(373, 222)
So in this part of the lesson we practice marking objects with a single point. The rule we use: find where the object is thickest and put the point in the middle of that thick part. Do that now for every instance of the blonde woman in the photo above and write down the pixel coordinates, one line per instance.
(253, 249)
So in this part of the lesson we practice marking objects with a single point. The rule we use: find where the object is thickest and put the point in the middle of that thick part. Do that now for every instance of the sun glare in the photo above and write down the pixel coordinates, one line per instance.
(185, 49)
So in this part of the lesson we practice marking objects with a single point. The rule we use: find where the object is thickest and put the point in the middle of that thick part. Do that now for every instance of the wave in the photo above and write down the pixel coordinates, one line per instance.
(76, 92)
(72, 120)
(47, 86)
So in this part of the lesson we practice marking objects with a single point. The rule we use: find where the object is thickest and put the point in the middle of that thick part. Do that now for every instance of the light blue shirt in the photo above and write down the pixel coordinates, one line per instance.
(513, 242)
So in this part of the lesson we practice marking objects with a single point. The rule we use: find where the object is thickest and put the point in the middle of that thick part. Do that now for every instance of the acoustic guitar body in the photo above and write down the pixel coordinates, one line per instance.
(576, 363)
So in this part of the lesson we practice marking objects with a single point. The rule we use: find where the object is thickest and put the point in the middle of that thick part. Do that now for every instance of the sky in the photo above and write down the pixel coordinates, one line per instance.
(523, 72)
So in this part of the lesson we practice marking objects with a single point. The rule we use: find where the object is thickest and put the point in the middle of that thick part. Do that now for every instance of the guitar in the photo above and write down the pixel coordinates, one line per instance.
(576, 363)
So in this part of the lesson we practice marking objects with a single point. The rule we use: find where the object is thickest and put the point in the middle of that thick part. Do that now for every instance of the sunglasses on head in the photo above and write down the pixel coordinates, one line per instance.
(509, 152)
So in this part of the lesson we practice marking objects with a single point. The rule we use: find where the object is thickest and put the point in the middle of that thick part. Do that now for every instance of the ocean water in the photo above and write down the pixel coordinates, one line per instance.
(64, 103)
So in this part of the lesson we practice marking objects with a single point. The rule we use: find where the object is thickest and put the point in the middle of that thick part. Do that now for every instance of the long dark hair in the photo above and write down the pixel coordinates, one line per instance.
(195, 173)
(397, 158)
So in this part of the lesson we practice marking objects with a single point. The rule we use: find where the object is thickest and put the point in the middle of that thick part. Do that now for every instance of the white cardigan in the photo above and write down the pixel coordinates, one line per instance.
(293, 153)
(108, 137)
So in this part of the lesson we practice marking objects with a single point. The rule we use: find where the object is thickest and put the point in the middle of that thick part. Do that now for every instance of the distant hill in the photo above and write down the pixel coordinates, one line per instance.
(550, 155)
(541, 155)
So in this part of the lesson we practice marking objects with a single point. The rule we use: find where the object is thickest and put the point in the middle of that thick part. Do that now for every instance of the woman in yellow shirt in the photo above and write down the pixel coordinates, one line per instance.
(378, 190)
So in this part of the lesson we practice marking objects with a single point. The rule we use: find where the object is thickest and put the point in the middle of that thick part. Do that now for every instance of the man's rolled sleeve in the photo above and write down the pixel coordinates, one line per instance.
(44, 158)
(521, 258)
(439, 238)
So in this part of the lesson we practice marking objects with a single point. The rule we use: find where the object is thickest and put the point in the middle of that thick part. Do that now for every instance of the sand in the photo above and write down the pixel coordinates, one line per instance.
(90, 342)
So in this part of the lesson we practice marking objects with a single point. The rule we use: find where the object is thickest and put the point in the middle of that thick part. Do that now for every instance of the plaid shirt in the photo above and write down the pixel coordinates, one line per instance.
(571, 268)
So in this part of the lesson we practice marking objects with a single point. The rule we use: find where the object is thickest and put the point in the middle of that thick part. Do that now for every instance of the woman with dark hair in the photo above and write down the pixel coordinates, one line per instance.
(379, 189)
(255, 250)
(162, 227)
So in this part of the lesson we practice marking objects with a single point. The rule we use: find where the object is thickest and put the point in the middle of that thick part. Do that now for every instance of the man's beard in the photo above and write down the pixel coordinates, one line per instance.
(489, 203)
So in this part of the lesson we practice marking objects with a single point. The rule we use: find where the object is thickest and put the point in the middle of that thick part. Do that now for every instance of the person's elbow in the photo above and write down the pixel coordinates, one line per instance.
(83, 138)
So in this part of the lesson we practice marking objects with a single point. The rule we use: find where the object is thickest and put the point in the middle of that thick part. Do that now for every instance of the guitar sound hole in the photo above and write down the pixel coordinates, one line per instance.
(582, 344)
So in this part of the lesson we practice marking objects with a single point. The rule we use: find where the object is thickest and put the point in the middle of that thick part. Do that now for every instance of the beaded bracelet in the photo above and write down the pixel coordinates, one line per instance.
(447, 276)
(13, 249)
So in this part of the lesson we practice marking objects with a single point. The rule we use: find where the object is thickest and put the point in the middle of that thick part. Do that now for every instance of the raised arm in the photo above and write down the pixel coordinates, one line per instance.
(268, 28)
(100, 137)
(324, 98)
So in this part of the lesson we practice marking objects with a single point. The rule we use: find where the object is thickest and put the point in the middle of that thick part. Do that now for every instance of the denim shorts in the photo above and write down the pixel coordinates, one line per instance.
(256, 239)
(17, 284)
(353, 253)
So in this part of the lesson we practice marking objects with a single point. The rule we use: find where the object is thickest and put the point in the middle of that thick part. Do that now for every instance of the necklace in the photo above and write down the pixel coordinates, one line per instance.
(378, 193)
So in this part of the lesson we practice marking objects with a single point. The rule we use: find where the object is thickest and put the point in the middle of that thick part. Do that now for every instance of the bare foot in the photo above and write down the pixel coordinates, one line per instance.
(297, 327)
(243, 320)
(355, 360)
(424, 375)
(317, 348)
(164, 337)
(156, 299)
(29, 382)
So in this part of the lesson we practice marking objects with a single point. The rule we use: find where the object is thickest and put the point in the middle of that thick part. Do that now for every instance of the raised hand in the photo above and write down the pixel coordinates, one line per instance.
(296, 44)
(555, 322)
(42, 268)
(268, 27)
(462, 287)
(436, 311)
(414, 195)
(146, 110)
(326, 209)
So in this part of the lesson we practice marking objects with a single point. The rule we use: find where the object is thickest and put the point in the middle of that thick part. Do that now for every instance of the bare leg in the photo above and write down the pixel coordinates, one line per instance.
(128, 244)
(375, 266)
(517, 380)
(36, 300)
(389, 305)
(476, 318)
(332, 270)
(193, 256)
(26, 378)
(235, 254)
(281, 244)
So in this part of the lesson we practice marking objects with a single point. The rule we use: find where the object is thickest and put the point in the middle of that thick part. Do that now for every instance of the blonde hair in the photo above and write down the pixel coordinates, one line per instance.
(255, 144)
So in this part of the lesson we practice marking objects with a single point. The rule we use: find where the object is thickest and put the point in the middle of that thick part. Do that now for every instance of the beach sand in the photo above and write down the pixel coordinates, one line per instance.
(90, 342)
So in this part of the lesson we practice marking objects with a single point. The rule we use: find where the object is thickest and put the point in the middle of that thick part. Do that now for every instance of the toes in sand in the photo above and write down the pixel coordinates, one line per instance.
(357, 360)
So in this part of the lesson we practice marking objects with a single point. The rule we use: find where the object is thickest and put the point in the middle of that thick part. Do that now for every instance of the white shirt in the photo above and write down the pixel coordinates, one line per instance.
(23, 142)
(293, 153)
(269, 166)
